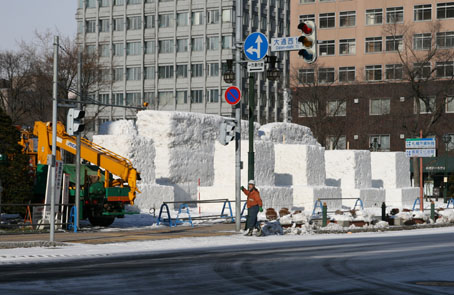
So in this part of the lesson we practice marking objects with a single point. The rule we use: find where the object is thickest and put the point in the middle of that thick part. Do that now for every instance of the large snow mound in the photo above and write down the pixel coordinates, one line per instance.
(287, 133)
(390, 170)
(348, 168)
(120, 127)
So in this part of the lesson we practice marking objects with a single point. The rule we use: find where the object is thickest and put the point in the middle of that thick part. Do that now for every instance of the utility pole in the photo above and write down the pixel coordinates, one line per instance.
(79, 91)
(251, 159)
(54, 142)
(238, 46)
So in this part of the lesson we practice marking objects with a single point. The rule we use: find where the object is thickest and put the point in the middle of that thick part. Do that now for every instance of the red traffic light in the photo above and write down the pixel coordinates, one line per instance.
(305, 28)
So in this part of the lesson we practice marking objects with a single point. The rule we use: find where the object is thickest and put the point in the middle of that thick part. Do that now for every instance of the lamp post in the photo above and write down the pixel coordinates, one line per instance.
(446, 140)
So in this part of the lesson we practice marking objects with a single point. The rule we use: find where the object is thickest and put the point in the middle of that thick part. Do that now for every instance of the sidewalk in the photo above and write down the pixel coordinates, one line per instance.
(106, 237)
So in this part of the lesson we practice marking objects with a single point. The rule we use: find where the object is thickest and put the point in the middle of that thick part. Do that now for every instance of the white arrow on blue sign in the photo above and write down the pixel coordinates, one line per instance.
(256, 46)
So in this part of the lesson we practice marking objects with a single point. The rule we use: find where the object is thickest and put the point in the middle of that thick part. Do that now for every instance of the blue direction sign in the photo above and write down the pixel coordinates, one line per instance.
(256, 46)
(232, 95)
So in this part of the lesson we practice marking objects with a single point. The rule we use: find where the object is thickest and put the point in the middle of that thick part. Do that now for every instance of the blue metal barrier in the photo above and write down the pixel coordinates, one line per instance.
(72, 219)
(318, 204)
(360, 203)
(230, 210)
(417, 202)
(160, 219)
(450, 201)
(182, 207)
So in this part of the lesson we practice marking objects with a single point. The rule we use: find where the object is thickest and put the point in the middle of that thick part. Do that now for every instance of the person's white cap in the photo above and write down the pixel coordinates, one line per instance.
(252, 182)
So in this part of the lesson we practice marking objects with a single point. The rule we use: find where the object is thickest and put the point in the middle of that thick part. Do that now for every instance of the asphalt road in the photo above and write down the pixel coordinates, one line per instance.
(418, 264)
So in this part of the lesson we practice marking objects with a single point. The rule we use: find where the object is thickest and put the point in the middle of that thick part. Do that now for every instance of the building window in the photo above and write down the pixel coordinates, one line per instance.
(148, 73)
(165, 20)
(150, 47)
(336, 142)
(380, 106)
(104, 25)
(182, 97)
(445, 10)
(423, 12)
(306, 1)
(182, 45)
(394, 43)
(379, 142)
(306, 76)
(118, 74)
(133, 48)
(196, 70)
(394, 72)
(104, 50)
(119, 24)
(133, 74)
(373, 44)
(347, 74)
(307, 109)
(427, 105)
(90, 26)
(336, 108)
(197, 44)
(445, 69)
(119, 2)
(196, 96)
(450, 105)
(445, 39)
(227, 42)
(422, 70)
(165, 98)
(104, 98)
(227, 15)
(326, 75)
(327, 20)
(213, 43)
(394, 15)
(182, 71)
(90, 49)
(133, 99)
(213, 95)
(182, 19)
(134, 23)
(374, 16)
(197, 18)
(422, 41)
(90, 3)
(149, 21)
(165, 46)
(347, 46)
(326, 47)
(165, 72)
(119, 49)
(148, 97)
(118, 99)
(105, 75)
(132, 2)
(347, 19)
(307, 17)
(374, 73)
(213, 69)
(213, 16)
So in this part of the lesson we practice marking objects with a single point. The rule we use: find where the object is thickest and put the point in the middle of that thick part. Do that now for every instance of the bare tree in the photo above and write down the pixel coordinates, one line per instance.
(319, 102)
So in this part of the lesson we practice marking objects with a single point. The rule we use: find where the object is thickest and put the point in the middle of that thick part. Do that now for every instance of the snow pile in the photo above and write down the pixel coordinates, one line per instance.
(287, 133)
(446, 216)
(391, 171)
(286, 219)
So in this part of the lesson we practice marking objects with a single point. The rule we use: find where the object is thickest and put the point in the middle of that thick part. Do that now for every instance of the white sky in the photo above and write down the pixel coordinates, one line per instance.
(20, 18)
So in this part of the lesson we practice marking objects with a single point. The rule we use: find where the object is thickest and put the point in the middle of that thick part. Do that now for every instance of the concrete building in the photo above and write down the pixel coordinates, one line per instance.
(171, 54)
(367, 52)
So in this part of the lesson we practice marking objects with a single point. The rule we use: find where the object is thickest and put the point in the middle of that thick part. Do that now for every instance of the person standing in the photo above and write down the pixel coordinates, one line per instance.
(254, 206)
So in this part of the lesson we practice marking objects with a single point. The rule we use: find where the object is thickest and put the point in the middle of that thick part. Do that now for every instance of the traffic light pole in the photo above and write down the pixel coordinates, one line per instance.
(238, 43)
(53, 187)
(79, 90)
(251, 160)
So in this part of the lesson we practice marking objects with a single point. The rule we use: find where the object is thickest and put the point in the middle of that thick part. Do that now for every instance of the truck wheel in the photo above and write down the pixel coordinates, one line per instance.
(101, 220)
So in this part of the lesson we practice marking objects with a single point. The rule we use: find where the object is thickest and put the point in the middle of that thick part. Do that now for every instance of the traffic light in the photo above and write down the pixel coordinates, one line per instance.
(227, 132)
(74, 123)
(309, 41)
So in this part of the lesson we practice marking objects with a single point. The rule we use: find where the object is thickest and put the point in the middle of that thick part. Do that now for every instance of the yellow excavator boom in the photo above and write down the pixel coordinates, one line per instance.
(89, 151)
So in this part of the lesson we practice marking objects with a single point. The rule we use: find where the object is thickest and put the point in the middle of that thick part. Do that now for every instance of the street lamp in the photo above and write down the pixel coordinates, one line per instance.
(446, 140)
(229, 74)
(273, 74)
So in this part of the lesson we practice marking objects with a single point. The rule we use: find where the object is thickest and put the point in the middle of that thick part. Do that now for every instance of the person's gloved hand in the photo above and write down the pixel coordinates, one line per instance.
(242, 187)
(260, 209)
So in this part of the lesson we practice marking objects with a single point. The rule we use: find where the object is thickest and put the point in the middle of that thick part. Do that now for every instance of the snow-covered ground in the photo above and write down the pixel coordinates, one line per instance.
(78, 251)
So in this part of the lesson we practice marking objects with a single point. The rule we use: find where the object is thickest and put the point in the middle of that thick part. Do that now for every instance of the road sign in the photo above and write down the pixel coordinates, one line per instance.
(286, 44)
(421, 153)
(255, 66)
(420, 143)
(232, 95)
(256, 46)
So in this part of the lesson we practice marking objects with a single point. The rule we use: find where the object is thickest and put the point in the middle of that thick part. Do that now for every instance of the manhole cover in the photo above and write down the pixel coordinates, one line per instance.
(436, 283)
